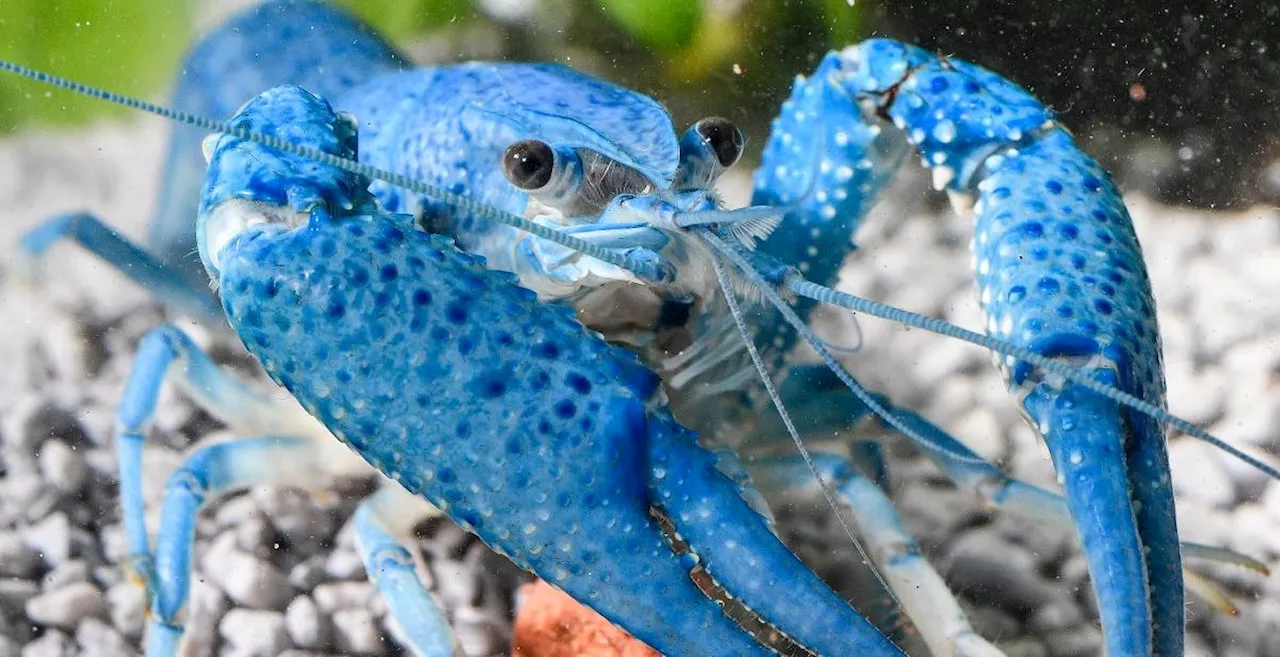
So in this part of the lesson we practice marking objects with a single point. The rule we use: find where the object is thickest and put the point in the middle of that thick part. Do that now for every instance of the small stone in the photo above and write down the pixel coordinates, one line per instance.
(344, 563)
(308, 573)
(1198, 395)
(247, 580)
(332, 596)
(1055, 617)
(51, 538)
(981, 560)
(254, 632)
(980, 430)
(1198, 474)
(126, 603)
(307, 628)
(1271, 499)
(17, 559)
(65, 607)
(20, 490)
(62, 466)
(1081, 641)
(356, 632)
(992, 622)
(1254, 532)
(255, 535)
(235, 510)
(68, 572)
(14, 593)
(101, 640)
(1023, 647)
(206, 609)
(52, 644)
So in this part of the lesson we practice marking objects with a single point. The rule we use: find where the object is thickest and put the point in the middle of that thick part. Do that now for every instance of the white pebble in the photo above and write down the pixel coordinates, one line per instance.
(247, 580)
(65, 607)
(62, 466)
(1254, 532)
(50, 537)
(52, 644)
(126, 603)
(356, 632)
(307, 628)
(254, 632)
(332, 596)
(1198, 474)
(98, 639)
(17, 559)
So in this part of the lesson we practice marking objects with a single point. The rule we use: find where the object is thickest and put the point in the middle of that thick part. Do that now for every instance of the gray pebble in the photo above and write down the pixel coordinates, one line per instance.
(1055, 617)
(68, 572)
(247, 580)
(1198, 473)
(19, 491)
(126, 603)
(356, 632)
(254, 632)
(307, 628)
(206, 609)
(51, 538)
(308, 573)
(344, 563)
(65, 607)
(332, 596)
(991, 622)
(982, 560)
(17, 559)
(62, 466)
(15, 592)
(1082, 641)
(52, 644)
(1023, 647)
(1254, 532)
(98, 639)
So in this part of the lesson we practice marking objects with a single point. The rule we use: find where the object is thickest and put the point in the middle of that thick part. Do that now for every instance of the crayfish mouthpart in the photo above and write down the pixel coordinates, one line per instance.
(222, 224)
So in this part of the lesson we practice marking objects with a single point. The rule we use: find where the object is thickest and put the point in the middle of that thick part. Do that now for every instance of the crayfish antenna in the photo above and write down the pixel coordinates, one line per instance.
(792, 281)
(731, 299)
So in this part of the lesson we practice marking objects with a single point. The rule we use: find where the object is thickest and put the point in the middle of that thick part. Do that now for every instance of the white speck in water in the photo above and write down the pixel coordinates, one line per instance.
(1075, 458)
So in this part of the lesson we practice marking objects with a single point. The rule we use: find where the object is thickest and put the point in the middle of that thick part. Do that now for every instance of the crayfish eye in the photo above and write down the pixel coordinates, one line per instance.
(528, 164)
(724, 137)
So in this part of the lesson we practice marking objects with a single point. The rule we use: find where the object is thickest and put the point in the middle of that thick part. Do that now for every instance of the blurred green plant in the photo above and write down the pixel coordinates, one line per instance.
(660, 24)
(125, 45)
(697, 55)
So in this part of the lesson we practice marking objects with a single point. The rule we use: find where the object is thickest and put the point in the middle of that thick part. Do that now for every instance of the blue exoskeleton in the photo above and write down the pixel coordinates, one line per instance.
(455, 382)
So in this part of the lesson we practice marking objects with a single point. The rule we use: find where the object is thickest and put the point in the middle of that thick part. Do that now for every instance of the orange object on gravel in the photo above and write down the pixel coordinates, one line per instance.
(552, 624)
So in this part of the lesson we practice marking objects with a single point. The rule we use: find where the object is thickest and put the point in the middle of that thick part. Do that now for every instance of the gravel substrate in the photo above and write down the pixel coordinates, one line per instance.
(278, 572)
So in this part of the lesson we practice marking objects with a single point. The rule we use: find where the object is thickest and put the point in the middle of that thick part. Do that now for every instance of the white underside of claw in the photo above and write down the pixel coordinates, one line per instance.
(233, 217)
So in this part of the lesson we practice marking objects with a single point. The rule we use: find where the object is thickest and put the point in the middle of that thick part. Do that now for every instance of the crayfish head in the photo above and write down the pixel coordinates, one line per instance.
(250, 184)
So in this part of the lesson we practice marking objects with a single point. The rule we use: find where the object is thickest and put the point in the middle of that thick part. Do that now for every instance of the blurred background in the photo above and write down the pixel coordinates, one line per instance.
(1177, 98)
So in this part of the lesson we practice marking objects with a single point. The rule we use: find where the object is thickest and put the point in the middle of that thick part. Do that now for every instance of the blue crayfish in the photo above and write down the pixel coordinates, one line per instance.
(423, 327)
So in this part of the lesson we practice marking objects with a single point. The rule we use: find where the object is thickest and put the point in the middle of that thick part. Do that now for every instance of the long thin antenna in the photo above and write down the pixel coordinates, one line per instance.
(806, 288)
(646, 270)
(723, 278)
